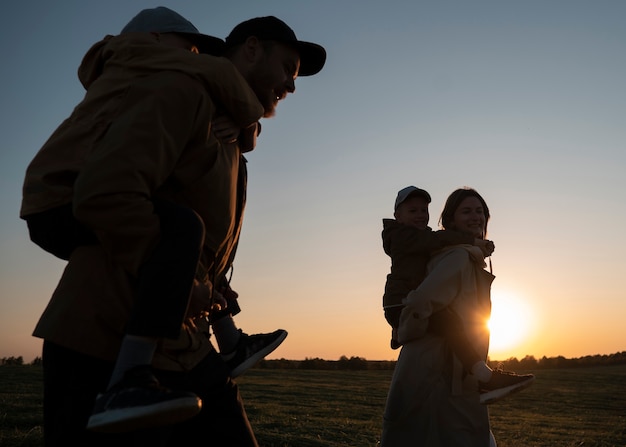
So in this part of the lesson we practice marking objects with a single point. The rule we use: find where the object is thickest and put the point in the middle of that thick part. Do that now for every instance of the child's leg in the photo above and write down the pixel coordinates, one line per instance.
(447, 324)
(134, 398)
(166, 278)
(493, 385)
(163, 287)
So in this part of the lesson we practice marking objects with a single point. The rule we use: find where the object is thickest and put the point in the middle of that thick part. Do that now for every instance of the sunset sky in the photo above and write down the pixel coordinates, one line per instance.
(523, 100)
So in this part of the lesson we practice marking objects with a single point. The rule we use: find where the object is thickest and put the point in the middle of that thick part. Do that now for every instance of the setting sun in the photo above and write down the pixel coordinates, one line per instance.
(509, 324)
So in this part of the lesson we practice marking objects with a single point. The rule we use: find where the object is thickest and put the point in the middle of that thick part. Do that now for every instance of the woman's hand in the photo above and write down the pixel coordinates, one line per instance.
(486, 246)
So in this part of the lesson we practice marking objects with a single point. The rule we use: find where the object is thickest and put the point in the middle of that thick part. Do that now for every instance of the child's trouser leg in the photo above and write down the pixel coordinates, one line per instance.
(165, 280)
(447, 324)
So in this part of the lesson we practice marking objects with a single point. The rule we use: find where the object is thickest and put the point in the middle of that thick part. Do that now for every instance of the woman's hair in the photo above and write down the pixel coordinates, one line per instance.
(452, 204)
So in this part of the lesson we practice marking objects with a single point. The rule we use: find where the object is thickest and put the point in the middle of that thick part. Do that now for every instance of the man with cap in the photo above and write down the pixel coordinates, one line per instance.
(275, 40)
(275, 46)
(142, 190)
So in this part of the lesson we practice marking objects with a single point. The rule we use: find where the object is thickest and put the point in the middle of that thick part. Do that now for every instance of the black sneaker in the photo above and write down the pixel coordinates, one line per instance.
(502, 384)
(139, 401)
(252, 348)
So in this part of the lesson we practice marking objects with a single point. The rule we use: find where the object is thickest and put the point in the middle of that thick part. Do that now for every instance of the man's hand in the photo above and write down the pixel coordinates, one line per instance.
(227, 132)
(228, 293)
(225, 129)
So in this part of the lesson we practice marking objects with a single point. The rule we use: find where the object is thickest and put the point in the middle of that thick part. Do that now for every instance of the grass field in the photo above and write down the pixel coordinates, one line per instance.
(583, 407)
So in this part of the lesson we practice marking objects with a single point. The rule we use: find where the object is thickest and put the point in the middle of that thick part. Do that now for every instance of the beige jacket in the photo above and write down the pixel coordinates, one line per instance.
(431, 402)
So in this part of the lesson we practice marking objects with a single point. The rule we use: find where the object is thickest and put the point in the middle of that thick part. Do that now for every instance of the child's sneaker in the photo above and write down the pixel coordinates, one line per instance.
(251, 349)
(502, 384)
(139, 401)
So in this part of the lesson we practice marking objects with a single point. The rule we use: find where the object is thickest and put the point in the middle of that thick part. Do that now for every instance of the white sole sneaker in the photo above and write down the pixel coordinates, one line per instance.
(499, 393)
(120, 420)
(257, 356)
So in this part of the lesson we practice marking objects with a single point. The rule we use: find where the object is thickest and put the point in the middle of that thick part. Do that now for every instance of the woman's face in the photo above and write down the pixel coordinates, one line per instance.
(469, 217)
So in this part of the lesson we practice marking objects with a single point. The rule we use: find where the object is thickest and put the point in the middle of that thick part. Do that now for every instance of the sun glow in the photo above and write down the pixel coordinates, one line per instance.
(509, 324)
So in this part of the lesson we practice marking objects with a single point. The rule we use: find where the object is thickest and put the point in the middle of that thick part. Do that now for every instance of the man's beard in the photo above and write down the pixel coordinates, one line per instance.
(261, 86)
(267, 100)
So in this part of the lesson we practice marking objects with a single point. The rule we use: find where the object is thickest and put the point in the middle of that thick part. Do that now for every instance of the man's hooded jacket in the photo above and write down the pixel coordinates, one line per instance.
(142, 131)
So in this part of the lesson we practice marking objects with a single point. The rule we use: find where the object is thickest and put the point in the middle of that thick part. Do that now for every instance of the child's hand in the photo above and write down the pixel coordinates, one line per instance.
(200, 302)
(486, 246)
(225, 129)
(219, 302)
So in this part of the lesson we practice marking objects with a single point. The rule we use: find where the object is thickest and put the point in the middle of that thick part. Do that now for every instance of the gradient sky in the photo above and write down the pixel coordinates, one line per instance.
(524, 101)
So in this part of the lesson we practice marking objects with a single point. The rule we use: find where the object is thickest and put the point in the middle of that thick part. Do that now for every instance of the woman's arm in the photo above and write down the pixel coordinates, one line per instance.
(439, 289)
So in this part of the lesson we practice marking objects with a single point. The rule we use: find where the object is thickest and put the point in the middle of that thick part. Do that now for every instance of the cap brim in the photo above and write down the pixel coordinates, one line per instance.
(207, 44)
(419, 193)
(312, 58)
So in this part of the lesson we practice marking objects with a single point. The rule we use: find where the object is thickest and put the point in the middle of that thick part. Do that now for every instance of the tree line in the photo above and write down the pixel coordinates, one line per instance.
(361, 364)
(527, 363)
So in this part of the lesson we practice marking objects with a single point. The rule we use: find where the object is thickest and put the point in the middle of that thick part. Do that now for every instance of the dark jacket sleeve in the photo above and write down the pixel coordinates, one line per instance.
(445, 238)
(412, 240)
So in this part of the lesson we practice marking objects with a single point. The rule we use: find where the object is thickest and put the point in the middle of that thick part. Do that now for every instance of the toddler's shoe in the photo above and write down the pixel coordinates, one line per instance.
(251, 349)
(138, 401)
(502, 384)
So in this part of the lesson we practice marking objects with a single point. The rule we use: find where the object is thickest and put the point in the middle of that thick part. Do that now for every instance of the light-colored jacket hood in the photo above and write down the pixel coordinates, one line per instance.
(108, 70)
(115, 61)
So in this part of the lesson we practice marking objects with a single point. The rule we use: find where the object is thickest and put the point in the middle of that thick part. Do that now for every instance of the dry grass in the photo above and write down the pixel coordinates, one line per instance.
(583, 407)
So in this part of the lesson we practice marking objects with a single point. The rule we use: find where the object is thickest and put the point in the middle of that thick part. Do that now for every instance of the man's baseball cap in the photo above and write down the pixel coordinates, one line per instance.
(312, 55)
(409, 191)
(164, 20)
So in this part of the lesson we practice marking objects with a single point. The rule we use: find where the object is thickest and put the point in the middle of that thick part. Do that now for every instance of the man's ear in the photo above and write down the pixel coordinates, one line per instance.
(194, 49)
(252, 48)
